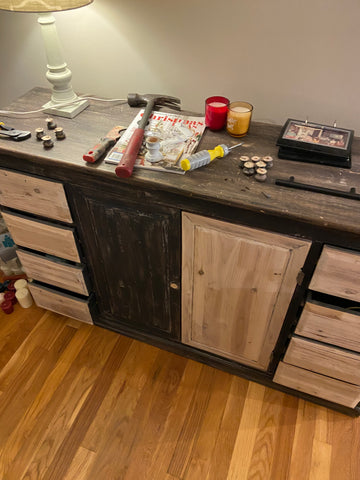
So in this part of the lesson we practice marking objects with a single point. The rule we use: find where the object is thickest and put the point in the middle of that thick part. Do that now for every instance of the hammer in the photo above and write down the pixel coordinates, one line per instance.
(125, 166)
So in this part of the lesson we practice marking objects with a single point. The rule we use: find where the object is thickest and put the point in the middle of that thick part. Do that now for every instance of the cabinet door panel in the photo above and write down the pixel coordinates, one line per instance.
(134, 253)
(237, 286)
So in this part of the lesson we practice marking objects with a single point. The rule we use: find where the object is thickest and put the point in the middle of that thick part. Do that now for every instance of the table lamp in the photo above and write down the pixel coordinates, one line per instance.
(58, 74)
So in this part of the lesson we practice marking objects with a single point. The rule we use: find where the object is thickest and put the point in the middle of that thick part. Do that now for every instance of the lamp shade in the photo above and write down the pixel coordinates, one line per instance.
(37, 6)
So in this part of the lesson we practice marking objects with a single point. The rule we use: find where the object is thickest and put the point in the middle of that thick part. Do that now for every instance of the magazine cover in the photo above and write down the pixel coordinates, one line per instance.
(178, 135)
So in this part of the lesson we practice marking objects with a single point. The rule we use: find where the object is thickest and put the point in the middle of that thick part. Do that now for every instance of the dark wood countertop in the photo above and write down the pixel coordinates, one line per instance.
(221, 182)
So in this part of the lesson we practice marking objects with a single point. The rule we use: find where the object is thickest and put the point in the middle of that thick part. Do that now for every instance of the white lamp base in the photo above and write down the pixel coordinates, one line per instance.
(58, 73)
(70, 111)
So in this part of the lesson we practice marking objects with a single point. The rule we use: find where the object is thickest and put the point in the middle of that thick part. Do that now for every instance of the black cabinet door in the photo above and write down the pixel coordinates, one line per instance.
(133, 253)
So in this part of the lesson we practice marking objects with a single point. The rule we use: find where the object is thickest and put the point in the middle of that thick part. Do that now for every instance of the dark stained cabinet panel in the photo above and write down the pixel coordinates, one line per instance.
(134, 253)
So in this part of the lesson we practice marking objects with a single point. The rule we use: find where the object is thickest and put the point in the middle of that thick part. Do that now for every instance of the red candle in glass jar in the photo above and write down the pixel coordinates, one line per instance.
(215, 112)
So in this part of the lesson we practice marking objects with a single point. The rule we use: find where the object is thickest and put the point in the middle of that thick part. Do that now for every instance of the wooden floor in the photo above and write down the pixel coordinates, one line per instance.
(78, 402)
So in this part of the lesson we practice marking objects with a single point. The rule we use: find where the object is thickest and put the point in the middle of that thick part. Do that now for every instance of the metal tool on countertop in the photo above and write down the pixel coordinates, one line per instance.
(126, 165)
(17, 135)
(314, 188)
(204, 157)
(104, 144)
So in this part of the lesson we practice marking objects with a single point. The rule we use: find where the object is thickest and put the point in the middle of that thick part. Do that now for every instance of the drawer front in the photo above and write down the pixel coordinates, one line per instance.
(42, 236)
(317, 385)
(54, 272)
(330, 325)
(34, 195)
(61, 303)
(324, 359)
(338, 273)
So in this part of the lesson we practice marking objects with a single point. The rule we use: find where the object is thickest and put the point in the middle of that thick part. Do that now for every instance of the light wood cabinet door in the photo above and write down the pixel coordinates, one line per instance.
(237, 283)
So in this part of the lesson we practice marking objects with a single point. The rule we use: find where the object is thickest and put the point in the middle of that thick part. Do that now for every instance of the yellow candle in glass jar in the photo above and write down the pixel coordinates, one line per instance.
(238, 118)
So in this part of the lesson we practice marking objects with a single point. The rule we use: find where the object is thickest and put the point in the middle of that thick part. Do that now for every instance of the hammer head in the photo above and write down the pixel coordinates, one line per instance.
(136, 100)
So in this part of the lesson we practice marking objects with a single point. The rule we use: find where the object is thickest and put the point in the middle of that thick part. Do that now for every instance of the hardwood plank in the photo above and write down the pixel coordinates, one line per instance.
(201, 454)
(179, 409)
(285, 436)
(81, 464)
(155, 413)
(22, 442)
(225, 440)
(116, 410)
(246, 438)
(79, 402)
(190, 428)
(13, 334)
(140, 420)
(302, 448)
(93, 399)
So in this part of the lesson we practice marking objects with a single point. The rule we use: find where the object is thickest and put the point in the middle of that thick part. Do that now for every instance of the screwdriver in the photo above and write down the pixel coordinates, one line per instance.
(205, 157)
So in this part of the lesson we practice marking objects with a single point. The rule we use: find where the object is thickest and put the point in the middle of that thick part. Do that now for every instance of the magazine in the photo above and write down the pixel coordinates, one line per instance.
(178, 136)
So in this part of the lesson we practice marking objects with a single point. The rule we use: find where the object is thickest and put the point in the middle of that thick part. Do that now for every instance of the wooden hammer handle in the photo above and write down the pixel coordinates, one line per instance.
(125, 167)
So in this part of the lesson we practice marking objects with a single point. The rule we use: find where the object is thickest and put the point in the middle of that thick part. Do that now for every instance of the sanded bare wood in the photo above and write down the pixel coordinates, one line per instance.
(60, 274)
(78, 402)
(320, 358)
(338, 273)
(318, 385)
(34, 195)
(61, 303)
(237, 286)
(42, 236)
(330, 325)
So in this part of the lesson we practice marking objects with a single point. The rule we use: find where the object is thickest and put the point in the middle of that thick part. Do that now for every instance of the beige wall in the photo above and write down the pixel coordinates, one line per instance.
(290, 59)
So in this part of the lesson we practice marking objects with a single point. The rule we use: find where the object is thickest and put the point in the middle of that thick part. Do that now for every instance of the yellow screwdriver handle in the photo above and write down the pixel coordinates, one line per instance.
(202, 158)
(217, 152)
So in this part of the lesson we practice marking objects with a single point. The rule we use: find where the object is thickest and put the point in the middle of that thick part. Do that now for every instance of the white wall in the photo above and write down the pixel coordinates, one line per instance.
(287, 58)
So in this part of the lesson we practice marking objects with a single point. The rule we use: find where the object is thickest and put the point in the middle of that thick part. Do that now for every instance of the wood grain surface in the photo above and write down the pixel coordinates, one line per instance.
(42, 236)
(78, 402)
(221, 182)
(34, 195)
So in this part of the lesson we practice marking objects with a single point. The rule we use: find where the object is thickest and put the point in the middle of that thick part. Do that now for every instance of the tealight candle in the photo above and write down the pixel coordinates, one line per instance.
(238, 118)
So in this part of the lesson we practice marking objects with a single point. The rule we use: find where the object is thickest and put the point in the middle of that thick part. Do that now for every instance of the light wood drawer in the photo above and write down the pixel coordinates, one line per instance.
(61, 303)
(54, 272)
(338, 273)
(320, 358)
(330, 325)
(34, 195)
(318, 385)
(42, 236)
